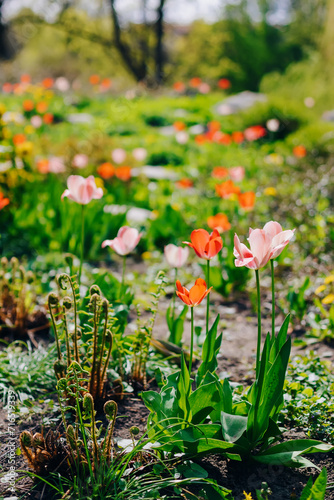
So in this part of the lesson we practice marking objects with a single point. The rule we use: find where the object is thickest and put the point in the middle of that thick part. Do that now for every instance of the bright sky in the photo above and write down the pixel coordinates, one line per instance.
(178, 11)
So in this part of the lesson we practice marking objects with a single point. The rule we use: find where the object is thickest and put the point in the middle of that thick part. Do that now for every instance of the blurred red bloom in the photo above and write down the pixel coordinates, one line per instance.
(254, 133)
(219, 222)
(200, 139)
(47, 83)
(225, 139)
(195, 82)
(179, 86)
(25, 78)
(299, 151)
(106, 83)
(48, 118)
(19, 139)
(247, 200)
(178, 125)
(184, 183)
(7, 88)
(224, 83)
(43, 165)
(238, 137)
(214, 126)
(106, 170)
(227, 189)
(123, 173)
(3, 201)
(28, 105)
(41, 107)
(94, 79)
(220, 172)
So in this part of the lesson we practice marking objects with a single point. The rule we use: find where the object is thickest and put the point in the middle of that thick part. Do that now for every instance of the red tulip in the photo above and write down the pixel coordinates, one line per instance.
(195, 295)
(205, 245)
(82, 190)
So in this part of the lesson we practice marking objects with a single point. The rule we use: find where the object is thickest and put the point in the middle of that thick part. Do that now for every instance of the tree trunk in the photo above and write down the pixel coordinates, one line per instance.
(159, 55)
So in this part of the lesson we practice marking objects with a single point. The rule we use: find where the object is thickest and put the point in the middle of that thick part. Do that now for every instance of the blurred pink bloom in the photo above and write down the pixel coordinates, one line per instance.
(62, 84)
(127, 239)
(182, 137)
(237, 174)
(265, 244)
(118, 155)
(36, 121)
(82, 190)
(176, 256)
(80, 160)
(56, 165)
(139, 154)
(204, 88)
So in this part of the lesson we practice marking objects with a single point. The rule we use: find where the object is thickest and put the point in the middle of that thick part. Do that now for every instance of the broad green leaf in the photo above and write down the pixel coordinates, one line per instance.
(203, 401)
(317, 490)
(290, 453)
(210, 349)
(184, 389)
(280, 339)
(233, 426)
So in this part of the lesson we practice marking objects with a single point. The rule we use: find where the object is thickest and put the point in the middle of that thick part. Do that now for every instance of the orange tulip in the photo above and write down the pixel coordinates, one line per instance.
(3, 201)
(178, 125)
(25, 79)
(123, 173)
(41, 107)
(43, 165)
(219, 222)
(205, 245)
(227, 189)
(106, 170)
(225, 139)
(200, 139)
(106, 83)
(28, 105)
(48, 118)
(214, 126)
(94, 79)
(195, 82)
(184, 183)
(195, 295)
(220, 172)
(247, 200)
(238, 137)
(19, 139)
(224, 83)
(47, 83)
(299, 151)
(179, 86)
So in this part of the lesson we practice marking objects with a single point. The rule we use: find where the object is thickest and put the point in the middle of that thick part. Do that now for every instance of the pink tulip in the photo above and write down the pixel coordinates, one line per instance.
(265, 244)
(279, 238)
(259, 253)
(139, 154)
(80, 160)
(237, 173)
(82, 190)
(118, 155)
(56, 165)
(176, 256)
(127, 239)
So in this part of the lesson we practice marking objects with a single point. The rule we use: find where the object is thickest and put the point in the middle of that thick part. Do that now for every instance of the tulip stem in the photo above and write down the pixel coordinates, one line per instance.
(191, 340)
(272, 301)
(173, 300)
(208, 297)
(82, 240)
(258, 323)
(123, 274)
